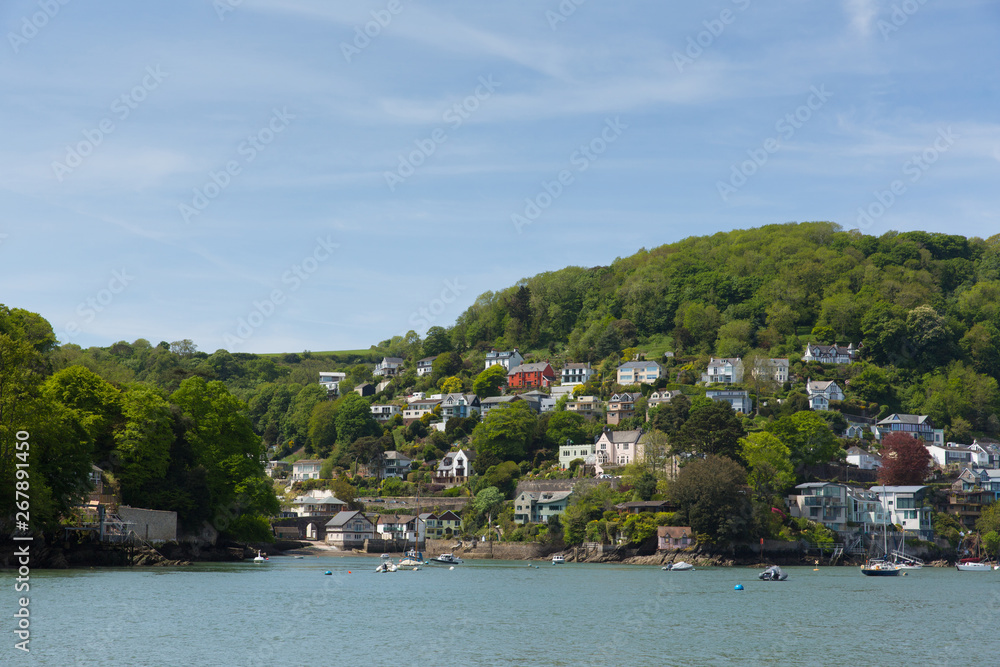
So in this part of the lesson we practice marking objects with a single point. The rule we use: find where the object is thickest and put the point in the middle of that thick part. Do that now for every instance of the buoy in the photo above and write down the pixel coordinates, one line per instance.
(452, 567)
(738, 587)
(328, 572)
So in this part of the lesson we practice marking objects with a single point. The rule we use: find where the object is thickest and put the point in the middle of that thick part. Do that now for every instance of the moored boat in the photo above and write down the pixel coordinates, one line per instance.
(773, 573)
(558, 559)
(446, 559)
(680, 566)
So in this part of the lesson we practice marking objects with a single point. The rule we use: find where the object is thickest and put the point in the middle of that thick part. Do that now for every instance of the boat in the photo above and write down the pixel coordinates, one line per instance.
(259, 558)
(680, 567)
(446, 559)
(386, 565)
(412, 558)
(904, 562)
(972, 562)
(773, 573)
(558, 559)
(877, 564)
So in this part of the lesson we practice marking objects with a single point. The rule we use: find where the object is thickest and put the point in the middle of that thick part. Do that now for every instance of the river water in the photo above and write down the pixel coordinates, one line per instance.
(288, 612)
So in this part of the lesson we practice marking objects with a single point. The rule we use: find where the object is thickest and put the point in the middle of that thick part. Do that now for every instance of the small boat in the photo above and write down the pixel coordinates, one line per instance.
(773, 573)
(879, 568)
(680, 567)
(973, 565)
(258, 558)
(446, 559)
(412, 558)
(558, 559)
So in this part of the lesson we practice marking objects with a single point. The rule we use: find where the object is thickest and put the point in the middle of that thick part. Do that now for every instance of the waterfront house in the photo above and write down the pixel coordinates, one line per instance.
(508, 359)
(450, 524)
(537, 507)
(639, 372)
(306, 469)
(905, 508)
(837, 505)
(821, 392)
(406, 528)
(349, 530)
(577, 373)
(727, 370)
(674, 537)
(317, 503)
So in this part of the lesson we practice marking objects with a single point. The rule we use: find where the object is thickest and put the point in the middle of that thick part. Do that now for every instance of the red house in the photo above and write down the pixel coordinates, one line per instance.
(531, 375)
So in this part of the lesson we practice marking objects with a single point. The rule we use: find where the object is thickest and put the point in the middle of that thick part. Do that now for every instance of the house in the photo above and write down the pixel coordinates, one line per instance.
(317, 503)
(331, 381)
(973, 479)
(455, 468)
(857, 426)
(406, 528)
(574, 373)
(531, 375)
(425, 366)
(639, 372)
(955, 454)
(739, 400)
(365, 389)
(450, 524)
(617, 448)
(537, 507)
(395, 464)
(919, 426)
(538, 401)
(349, 530)
(388, 367)
(383, 413)
(570, 451)
(662, 396)
(640, 506)
(306, 469)
(830, 354)
(727, 370)
(905, 508)
(771, 369)
(821, 392)
(492, 402)
(508, 359)
(674, 537)
(417, 407)
(863, 459)
(622, 406)
(837, 505)
(277, 469)
(590, 407)
(458, 405)
(990, 450)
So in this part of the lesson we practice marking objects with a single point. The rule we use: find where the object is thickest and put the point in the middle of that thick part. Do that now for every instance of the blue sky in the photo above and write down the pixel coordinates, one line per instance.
(283, 175)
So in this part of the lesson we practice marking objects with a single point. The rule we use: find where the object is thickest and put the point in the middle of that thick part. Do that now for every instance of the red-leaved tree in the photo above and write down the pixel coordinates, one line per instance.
(905, 460)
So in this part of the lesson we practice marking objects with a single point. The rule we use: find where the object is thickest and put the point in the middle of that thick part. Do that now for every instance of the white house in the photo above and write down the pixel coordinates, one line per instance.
(821, 392)
(772, 369)
(963, 455)
(570, 452)
(740, 400)
(508, 359)
(388, 367)
(425, 366)
(349, 529)
(837, 505)
(331, 381)
(574, 373)
(317, 503)
(662, 396)
(905, 507)
(384, 413)
(306, 469)
(395, 464)
(727, 370)
(617, 448)
(418, 407)
(454, 468)
(406, 528)
(863, 459)
(639, 372)
(830, 354)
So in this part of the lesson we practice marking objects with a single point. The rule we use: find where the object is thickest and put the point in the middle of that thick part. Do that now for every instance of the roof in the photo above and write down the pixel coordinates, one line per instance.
(622, 436)
(393, 454)
(897, 489)
(392, 360)
(309, 500)
(494, 354)
(638, 364)
(306, 461)
(573, 364)
(858, 450)
(536, 367)
(427, 360)
(725, 360)
(340, 519)
(820, 385)
(727, 393)
(675, 532)
(449, 516)
(496, 400)
(626, 396)
(903, 418)
(546, 497)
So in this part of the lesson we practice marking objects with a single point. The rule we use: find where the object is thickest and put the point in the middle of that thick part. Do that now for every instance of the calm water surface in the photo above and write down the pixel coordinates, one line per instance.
(287, 612)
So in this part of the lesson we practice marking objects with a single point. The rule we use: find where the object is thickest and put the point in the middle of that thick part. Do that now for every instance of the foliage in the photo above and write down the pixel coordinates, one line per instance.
(769, 461)
(989, 519)
(354, 419)
(711, 496)
(808, 438)
(905, 461)
(504, 434)
(712, 428)
(488, 382)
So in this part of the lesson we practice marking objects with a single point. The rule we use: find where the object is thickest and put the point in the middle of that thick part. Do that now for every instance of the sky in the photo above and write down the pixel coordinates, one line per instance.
(289, 175)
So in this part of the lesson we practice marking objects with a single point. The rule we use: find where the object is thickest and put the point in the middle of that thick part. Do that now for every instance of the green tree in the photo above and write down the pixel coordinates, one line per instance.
(354, 419)
(808, 438)
(488, 382)
(711, 498)
(436, 341)
(563, 426)
(97, 402)
(710, 429)
(488, 503)
(323, 428)
(504, 434)
(143, 443)
(769, 461)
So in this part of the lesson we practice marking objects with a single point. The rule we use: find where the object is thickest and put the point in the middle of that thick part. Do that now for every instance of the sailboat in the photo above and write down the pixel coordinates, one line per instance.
(879, 565)
(904, 562)
(972, 563)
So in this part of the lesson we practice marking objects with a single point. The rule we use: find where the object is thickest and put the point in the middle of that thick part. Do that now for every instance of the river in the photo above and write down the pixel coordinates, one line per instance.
(288, 612)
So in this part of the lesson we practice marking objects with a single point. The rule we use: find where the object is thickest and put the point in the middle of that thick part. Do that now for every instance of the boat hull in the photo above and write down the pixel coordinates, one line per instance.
(974, 567)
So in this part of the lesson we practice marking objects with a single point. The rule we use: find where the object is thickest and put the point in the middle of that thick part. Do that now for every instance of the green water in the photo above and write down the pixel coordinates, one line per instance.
(287, 612)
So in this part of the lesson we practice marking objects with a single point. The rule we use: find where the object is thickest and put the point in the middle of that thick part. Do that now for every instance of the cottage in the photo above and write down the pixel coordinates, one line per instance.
(661, 397)
(822, 392)
(349, 530)
(674, 537)
(317, 503)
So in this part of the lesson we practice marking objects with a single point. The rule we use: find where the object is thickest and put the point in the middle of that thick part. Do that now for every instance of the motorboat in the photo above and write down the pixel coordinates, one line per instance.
(680, 566)
(446, 559)
(259, 558)
(973, 565)
(773, 573)
(386, 565)
(558, 559)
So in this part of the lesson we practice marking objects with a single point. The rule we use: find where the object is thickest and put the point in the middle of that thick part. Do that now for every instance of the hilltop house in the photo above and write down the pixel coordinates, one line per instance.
(331, 380)
(388, 367)
(508, 359)
(306, 469)
(349, 530)
(425, 366)
(622, 406)
(537, 507)
(727, 370)
(821, 392)
(830, 354)
(919, 426)
(531, 375)
(639, 372)
(574, 373)
(739, 400)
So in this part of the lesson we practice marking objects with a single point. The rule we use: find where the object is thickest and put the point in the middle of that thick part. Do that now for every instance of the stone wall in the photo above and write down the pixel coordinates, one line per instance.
(150, 525)
(471, 549)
